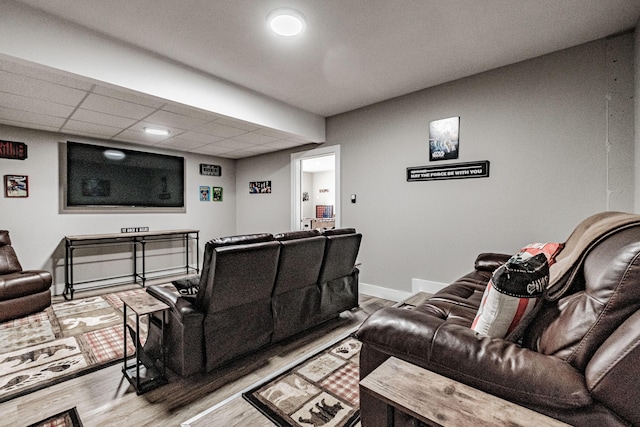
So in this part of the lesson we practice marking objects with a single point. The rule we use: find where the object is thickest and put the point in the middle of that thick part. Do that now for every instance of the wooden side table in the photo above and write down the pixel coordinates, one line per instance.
(144, 373)
(439, 401)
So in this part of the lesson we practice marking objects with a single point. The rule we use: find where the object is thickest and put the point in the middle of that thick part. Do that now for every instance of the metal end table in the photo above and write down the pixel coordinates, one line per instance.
(146, 372)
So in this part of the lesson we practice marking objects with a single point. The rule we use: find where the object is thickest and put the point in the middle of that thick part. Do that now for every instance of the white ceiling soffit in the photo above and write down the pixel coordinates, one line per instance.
(219, 57)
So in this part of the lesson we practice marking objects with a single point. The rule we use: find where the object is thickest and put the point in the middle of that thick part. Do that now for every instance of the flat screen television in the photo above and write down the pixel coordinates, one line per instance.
(114, 177)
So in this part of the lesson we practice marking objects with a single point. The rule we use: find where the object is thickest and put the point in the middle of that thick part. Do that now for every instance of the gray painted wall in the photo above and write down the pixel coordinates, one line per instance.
(541, 123)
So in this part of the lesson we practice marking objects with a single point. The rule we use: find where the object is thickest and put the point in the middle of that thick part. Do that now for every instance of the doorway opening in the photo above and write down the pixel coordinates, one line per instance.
(315, 178)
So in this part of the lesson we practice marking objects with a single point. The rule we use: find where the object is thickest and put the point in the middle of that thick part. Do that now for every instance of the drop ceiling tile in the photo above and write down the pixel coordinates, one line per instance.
(200, 137)
(220, 130)
(238, 154)
(24, 103)
(90, 128)
(257, 149)
(276, 134)
(129, 96)
(186, 110)
(167, 118)
(180, 143)
(116, 107)
(37, 72)
(211, 149)
(40, 89)
(282, 144)
(300, 141)
(102, 118)
(30, 118)
(233, 143)
(254, 138)
(36, 125)
(235, 123)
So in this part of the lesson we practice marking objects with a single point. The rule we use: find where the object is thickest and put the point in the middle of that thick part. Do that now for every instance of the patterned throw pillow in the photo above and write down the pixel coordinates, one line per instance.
(514, 289)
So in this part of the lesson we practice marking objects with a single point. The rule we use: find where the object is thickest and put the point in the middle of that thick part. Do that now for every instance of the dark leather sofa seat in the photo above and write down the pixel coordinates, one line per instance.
(21, 292)
(255, 290)
(578, 360)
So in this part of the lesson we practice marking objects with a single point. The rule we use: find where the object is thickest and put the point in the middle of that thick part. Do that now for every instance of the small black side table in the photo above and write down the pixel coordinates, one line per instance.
(144, 373)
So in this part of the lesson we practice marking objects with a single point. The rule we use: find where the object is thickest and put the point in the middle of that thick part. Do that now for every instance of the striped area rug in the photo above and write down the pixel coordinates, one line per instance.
(66, 340)
(321, 390)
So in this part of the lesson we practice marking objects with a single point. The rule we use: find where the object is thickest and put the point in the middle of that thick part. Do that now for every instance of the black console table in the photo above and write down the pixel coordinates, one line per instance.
(134, 241)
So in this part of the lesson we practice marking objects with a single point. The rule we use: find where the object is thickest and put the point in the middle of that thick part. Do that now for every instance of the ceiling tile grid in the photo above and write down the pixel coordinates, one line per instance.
(35, 98)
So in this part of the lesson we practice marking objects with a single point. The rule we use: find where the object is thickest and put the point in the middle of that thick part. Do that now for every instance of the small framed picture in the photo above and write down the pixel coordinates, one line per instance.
(217, 194)
(444, 142)
(259, 187)
(205, 193)
(16, 186)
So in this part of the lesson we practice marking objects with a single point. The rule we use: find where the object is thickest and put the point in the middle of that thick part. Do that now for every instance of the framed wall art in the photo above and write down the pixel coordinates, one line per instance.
(216, 194)
(205, 193)
(444, 143)
(259, 187)
(16, 186)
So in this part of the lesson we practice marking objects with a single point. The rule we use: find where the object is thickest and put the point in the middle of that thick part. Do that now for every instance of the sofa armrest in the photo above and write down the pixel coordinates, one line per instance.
(182, 306)
(614, 367)
(489, 261)
(496, 366)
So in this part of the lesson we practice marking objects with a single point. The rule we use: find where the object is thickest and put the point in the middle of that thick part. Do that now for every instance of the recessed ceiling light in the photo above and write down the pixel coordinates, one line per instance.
(286, 22)
(156, 131)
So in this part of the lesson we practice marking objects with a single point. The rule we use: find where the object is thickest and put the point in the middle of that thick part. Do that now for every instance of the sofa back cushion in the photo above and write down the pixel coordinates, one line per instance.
(219, 242)
(8, 259)
(607, 292)
(300, 262)
(340, 254)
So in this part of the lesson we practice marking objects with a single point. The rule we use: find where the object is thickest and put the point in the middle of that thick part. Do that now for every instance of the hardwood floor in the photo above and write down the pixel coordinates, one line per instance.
(104, 397)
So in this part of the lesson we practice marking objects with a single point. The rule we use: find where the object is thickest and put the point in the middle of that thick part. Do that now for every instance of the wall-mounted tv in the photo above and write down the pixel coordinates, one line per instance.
(105, 177)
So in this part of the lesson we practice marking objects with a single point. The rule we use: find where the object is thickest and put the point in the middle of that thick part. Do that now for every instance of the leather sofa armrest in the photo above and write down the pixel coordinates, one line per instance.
(489, 261)
(493, 365)
(183, 307)
(614, 364)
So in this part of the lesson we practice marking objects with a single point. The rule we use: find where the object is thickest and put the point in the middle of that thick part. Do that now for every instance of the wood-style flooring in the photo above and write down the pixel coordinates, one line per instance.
(104, 397)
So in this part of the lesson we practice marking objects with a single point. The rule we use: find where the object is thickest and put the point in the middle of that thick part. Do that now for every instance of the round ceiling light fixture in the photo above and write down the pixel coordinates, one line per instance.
(156, 131)
(286, 22)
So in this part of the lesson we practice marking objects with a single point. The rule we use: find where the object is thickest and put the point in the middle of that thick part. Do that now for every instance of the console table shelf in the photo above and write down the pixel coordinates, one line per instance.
(135, 242)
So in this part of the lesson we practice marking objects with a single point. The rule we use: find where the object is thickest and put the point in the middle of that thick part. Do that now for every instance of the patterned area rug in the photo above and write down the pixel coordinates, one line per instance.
(320, 391)
(66, 340)
(68, 418)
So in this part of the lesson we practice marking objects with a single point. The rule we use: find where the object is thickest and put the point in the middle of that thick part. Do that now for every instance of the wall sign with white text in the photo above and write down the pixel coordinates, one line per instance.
(478, 169)
(210, 170)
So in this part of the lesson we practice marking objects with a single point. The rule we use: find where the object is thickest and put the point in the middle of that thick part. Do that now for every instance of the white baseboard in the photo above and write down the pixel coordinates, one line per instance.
(421, 285)
(380, 292)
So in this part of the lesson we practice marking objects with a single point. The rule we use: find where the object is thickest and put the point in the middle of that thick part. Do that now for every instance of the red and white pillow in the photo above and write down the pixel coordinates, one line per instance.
(514, 289)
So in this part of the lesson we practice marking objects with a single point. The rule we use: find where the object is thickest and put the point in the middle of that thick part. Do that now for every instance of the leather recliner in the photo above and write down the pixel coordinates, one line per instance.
(21, 292)
(254, 290)
(578, 360)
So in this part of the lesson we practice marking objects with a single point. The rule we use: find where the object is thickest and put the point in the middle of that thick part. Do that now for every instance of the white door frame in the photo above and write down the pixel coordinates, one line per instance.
(296, 182)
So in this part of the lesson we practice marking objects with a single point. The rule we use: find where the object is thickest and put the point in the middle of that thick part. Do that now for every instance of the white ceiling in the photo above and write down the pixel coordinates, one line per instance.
(352, 54)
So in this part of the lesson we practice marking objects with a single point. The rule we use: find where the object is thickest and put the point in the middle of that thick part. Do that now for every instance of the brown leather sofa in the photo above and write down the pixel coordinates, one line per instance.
(21, 292)
(255, 290)
(578, 360)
